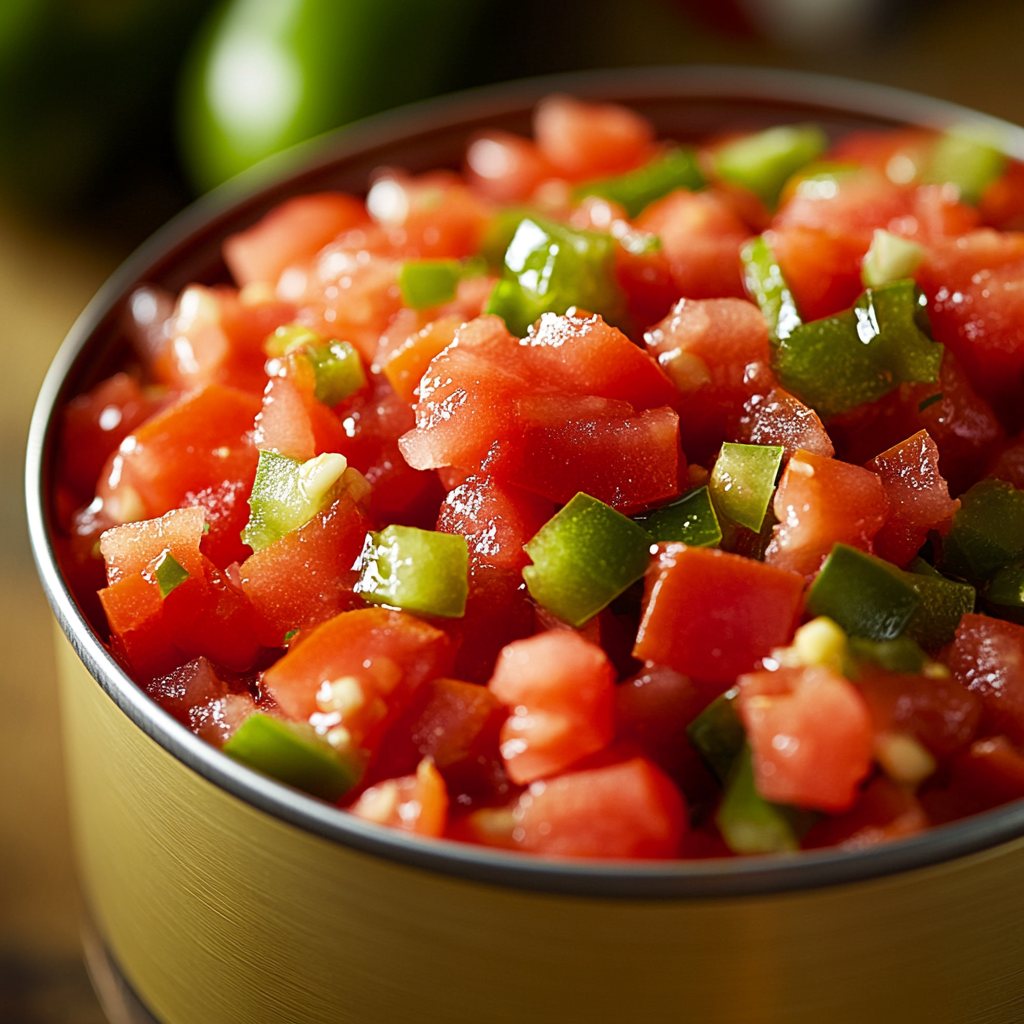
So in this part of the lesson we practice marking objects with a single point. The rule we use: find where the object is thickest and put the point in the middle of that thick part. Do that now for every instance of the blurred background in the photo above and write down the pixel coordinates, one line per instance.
(114, 114)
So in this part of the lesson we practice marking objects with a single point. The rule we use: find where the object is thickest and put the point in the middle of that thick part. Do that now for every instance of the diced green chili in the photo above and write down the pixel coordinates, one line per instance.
(717, 734)
(426, 283)
(550, 267)
(676, 168)
(287, 493)
(339, 371)
(943, 604)
(743, 480)
(748, 822)
(293, 753)
(584, 557)
(966, 157)
(762, 162)
(1004, 594)
(862, 594)
(889, 259)
(861, 354)
(169, 573)
(690, 519)
(769, 290)
(901, 654)
(987, 532)
(418, 570)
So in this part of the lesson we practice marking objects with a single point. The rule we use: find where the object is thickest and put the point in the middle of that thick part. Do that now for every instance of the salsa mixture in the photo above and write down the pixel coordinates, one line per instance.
(613, 497)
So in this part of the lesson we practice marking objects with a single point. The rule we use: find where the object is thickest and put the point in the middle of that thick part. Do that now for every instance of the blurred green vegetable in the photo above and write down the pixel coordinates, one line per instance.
(265, 74)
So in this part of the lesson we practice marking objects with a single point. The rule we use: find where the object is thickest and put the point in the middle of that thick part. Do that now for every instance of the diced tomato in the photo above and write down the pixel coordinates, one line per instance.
(405, 364)
(372, 421)
(716, 353)
(305, 577)
(414, 803)
(961, 424)
(389, 654)
(987, 657)
(505, 168)
(937, 214)
(940, 713)
(94, 424)
(780, 418)
(713, 615)
(560, 689)
(496, 520)
(700, 238)
(1002, 203)
(590, 140)
(629, 809)
(884, 811)
(128, 549)
(627, 461)
(977, 309)
(990, 773)
(293, 232)
(810, 735)
(457, 725)
(428, 217)
(188, 686)
(1009, 463)
(134, 610)
(218, 720)
(918, 496)
(900, 155)
(822, 502)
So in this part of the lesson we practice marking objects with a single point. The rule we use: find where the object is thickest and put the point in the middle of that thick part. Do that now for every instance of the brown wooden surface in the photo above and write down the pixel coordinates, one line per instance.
(966, 52)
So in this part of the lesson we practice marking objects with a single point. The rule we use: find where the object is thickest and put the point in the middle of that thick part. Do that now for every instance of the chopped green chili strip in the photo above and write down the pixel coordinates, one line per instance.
(426, 283)
(676, 168)
(690, 519)
(584, 557)
(339, 371)
(901, 654)
(762, 162)
(861, 354)
(943, 604)
(967, 157)
(418, 570)
(927, 403)
(743, 480)
(287, 493)
(717, 734)
(987, 532)
(862, 594)
(889, 259)
(169, 573)
(550, 267)
(748, 822)
(769, 290)
(293, 753)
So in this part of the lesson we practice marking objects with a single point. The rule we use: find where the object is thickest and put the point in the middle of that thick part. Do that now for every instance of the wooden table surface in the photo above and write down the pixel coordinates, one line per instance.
(967, 53)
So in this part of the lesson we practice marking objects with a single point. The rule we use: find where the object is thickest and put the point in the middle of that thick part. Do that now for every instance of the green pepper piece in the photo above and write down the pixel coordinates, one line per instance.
(418, 570)
(169, 573)
(762, 162)
(742, 481)
(339, 371)
(690, 519)
(717, 734)
(769, 290)
(287, 493)
(943, 604)
(901, 654)
(1003, 596)
(584, 557)
(748, 822)
(293, 753)
(863, 594)
(987, 532)
(889, 259)
(550, 267)
(861, 354)
(426, 283)
(676, 168)
(966, 157)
